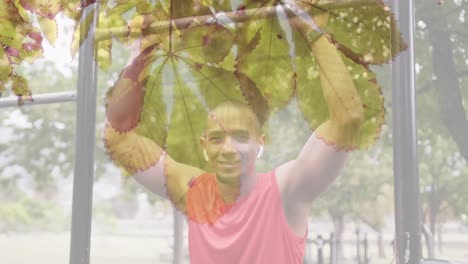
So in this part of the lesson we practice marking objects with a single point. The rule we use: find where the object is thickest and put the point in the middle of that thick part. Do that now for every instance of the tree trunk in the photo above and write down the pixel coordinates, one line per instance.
(178, 238)
(380, 244)
(432, 210)
(338, 223)
(448, 87)
(439, 238)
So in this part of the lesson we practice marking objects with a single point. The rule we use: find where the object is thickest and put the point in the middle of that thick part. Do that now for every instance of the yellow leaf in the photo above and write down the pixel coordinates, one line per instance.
(49, 28)
(2, 88)
(104, 54)
(20, 86)
(77, 37)
(21, 11)
(5, 68)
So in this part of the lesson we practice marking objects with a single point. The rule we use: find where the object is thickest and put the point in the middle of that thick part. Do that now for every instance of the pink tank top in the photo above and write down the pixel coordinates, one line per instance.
(253, 231)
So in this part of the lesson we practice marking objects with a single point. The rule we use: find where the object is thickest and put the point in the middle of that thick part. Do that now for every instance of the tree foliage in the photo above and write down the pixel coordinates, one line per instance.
(258, 52)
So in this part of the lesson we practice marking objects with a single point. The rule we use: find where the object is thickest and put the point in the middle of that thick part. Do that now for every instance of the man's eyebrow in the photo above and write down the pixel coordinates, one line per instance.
(240, 131)
(215, 132)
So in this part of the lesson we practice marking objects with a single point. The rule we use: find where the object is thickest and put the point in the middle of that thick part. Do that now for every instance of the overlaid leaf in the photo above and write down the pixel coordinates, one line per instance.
(49, 28)
(5, 68)
(104, 54)
(315, 108)
(78, 37)
(32, 48)
(362, 29)
(44, 8)
(20, 86)
(269, 64)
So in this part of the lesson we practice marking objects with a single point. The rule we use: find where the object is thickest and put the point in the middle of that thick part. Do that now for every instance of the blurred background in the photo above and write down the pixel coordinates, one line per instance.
(353, 222)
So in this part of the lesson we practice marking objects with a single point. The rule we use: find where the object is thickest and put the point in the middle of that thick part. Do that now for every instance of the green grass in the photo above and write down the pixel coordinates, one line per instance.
(108, 249)
(54, 249)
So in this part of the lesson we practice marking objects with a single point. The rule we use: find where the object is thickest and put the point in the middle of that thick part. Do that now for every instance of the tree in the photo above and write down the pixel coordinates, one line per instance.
(442, 95)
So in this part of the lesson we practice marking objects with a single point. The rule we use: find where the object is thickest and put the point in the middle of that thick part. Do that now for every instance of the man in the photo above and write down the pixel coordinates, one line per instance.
(234, 214)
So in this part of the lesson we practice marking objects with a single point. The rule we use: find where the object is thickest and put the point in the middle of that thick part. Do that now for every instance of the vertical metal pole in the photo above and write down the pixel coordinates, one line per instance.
(320, 249)
(178, 254)
(358, 245)
(84, 155)
(333, 253)
(365, 244)
(405, 166)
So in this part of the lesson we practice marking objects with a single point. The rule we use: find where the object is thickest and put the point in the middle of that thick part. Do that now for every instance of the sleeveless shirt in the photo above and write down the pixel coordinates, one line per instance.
(253, 230)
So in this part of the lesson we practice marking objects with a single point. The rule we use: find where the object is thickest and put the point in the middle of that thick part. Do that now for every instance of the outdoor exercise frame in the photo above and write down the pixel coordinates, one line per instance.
(407, 203)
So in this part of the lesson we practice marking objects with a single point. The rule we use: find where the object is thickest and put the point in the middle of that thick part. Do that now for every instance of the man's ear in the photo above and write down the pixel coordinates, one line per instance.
(262, 139)
(203, 141)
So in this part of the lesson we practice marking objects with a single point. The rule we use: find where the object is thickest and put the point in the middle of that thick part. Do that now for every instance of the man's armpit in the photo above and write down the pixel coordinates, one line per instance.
(178, 180)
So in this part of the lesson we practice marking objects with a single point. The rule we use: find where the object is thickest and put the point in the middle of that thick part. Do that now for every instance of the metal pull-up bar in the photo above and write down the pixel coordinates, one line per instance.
(405, 160)
(47, 98)
(85, 140)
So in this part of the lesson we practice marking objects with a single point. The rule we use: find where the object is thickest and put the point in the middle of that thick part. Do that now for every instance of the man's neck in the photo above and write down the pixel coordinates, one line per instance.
(231, 192)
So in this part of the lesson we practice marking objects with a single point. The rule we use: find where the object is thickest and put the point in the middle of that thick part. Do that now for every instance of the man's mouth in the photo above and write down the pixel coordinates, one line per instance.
(229, 163)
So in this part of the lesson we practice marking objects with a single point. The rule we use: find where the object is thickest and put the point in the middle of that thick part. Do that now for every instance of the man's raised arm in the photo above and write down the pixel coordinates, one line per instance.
(323, 156)
(141, 156)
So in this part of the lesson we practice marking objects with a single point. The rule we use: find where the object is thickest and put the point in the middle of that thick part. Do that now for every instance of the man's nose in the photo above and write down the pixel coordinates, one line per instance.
(229, 145)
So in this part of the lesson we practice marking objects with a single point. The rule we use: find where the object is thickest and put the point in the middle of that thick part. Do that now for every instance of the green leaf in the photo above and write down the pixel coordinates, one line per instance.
(217, 5)
(2, 88)
(269, 65)
(5, 68)
(104, 54)
(181, 8)
(207, 43)
(362, 29)
(21, 11)
(189, 91)
(72, 9)
(78, 38)
(43, 8)
(144, 7)
(32, 49)
(112, 18)
(179, 93)
(315, 109)
(20, 86)
(9, 35)
(49, 28)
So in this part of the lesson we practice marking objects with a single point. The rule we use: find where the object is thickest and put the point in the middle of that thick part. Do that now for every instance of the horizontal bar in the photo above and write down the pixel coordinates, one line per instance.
(46, 98)
(235, 16)
(161, 26)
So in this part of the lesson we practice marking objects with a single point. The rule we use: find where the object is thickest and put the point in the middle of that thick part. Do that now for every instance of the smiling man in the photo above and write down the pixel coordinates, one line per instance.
(235, 214)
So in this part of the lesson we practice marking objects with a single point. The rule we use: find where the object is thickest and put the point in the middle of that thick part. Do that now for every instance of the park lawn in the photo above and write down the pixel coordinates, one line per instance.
(54, 249)
(50, 248)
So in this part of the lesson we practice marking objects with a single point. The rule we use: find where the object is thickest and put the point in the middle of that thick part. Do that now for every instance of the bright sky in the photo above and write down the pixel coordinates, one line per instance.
(60, 52)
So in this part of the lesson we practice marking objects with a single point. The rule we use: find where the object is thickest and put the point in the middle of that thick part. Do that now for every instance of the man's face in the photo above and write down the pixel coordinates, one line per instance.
(231, 142)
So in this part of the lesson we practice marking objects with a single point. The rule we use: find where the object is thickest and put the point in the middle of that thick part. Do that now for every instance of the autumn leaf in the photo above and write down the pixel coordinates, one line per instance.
(315, 108)
(5, 68)
(104, 54)
(43, 8)
(362, 29)
(265, 58)
(80, 33)
(184, 81)
(49, 28)
(20, 86)
(265, 61)
(207, 43)
(21, 11)
(32, 49)
(2, 88)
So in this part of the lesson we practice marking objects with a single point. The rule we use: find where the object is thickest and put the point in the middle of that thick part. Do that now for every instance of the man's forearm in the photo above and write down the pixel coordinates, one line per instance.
(344, 104)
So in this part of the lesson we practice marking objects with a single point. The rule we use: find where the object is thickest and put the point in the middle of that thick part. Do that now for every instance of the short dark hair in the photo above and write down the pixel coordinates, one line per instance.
(241, 106)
